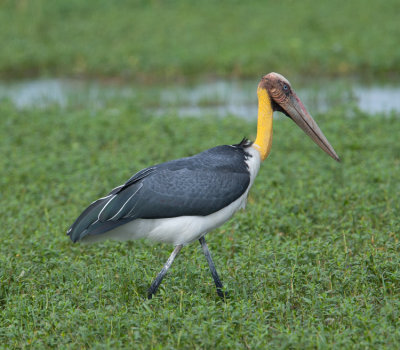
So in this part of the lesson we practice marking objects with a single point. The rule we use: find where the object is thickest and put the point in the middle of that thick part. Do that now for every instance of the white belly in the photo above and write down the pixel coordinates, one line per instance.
(179, 230)
(182, 229)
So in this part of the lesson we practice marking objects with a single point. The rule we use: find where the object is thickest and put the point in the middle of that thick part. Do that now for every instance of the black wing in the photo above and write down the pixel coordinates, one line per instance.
(198, 185)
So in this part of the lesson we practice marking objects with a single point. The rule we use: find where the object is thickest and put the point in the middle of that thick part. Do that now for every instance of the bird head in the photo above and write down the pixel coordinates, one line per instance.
(284, 99)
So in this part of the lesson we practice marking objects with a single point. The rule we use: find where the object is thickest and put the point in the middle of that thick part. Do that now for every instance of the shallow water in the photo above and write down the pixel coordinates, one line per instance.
(219, 98)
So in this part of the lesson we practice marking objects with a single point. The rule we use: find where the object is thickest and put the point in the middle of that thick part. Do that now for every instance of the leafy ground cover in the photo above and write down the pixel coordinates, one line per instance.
(156, 40)
(313, 262)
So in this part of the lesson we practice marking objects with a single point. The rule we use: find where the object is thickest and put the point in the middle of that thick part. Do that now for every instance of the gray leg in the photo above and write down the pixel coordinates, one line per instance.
(156, 283)
(214, 273)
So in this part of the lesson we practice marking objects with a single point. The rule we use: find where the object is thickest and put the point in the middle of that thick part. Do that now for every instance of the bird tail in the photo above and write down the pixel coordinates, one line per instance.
(79, 229)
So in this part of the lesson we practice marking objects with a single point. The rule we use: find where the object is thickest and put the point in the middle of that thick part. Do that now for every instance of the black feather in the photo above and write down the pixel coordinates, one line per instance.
(245, 143)
(196, 186)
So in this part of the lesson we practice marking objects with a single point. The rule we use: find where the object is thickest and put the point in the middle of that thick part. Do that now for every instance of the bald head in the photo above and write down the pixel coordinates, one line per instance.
(278, 88)
(285, 100)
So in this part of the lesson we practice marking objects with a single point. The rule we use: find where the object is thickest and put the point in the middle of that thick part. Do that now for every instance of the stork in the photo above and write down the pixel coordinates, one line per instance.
(180, 201)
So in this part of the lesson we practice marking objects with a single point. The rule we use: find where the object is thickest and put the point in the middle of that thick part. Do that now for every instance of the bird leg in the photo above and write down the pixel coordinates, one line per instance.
(156, 283)
(214, 273)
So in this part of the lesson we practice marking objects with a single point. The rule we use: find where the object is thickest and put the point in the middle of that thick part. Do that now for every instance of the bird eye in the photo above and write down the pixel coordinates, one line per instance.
(285, 87)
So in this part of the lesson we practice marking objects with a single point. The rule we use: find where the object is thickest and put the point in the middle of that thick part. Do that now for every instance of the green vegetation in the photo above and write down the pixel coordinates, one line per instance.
(153, 40)
(314, 260)
(312, 263)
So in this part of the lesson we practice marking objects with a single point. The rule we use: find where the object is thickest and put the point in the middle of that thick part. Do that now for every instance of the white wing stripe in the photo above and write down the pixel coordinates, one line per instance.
(108, 202)
(100, 199)
(141, 185)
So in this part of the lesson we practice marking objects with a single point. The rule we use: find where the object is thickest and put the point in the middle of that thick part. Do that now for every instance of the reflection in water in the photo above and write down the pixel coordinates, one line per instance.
(377, 99)
(219, 98)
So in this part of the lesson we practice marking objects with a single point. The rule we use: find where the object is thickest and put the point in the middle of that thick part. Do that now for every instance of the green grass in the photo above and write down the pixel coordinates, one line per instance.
(159, 40)
(313, 262)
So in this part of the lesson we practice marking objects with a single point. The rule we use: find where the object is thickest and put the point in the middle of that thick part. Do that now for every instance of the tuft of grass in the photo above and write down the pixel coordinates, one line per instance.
(153, 41)
(313, 262)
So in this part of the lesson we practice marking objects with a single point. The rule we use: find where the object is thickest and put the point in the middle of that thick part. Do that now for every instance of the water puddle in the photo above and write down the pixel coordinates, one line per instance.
(217, 98)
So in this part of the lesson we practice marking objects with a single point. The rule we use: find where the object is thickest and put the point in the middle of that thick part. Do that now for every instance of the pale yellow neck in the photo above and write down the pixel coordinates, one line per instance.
(263, 141)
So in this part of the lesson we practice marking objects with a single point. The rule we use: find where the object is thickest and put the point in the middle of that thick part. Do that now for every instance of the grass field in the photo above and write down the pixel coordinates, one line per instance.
(171, 40)
(312, 263)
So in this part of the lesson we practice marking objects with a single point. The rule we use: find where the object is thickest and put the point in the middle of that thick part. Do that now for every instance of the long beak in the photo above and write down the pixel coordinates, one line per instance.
(296, 111)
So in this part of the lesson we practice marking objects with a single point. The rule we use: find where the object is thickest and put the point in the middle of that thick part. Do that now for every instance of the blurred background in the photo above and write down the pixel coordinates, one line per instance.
(93, 91)
(64, 51)
(153, 41)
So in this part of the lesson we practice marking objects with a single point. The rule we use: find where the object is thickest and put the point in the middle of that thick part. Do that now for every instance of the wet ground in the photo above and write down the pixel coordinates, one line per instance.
(219, 98)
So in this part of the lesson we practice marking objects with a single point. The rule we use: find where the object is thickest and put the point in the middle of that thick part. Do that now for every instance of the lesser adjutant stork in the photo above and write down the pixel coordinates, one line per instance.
(181, 200)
